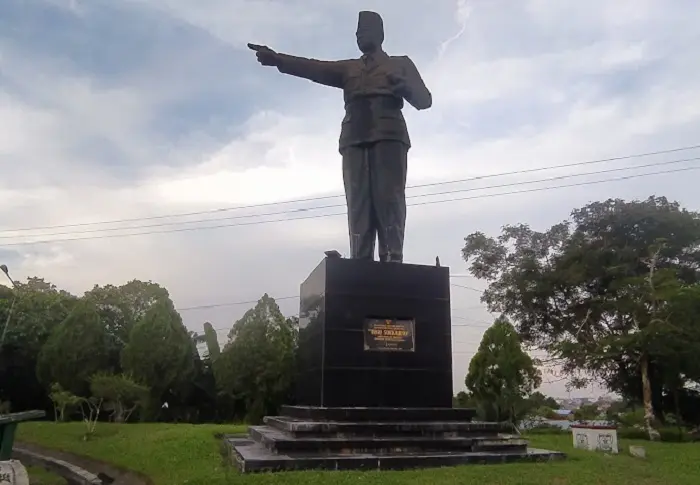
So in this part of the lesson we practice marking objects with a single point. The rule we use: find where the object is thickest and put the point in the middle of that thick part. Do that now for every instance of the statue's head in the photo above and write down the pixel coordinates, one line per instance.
(370, 31)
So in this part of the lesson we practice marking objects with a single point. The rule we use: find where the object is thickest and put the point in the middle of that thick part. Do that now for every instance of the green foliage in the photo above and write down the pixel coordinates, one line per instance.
(212, 340)
(122, 307)
(464, 400)
(538, 399)
(587, 412)
(257, 365)
(616, 409)
(39, 308)
(75, 350)
(160, 353)
(501, 374)
(602, 292)
(548, 429)
(63, 401)
(120, 393)
(545, 412)
(89, 407)
(632, 419)
(667, 434)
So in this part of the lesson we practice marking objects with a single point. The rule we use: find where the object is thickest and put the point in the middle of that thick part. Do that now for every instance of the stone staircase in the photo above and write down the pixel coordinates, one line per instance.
(377, 438)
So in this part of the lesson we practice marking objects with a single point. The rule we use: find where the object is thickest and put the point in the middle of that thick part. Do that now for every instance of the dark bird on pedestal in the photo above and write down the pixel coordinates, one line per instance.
(437, 261)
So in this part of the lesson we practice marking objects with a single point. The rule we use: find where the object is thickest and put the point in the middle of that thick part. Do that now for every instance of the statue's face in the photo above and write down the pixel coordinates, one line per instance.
(368, 39)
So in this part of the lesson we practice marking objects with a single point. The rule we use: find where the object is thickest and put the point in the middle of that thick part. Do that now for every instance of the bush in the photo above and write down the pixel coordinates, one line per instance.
(545, 428)
(669, 435)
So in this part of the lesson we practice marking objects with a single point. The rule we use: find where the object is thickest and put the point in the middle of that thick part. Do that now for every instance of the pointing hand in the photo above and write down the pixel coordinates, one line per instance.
(265, 55)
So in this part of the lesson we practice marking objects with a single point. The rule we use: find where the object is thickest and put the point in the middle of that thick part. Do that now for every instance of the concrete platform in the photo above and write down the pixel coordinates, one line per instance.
(250, 456)
(370, 443)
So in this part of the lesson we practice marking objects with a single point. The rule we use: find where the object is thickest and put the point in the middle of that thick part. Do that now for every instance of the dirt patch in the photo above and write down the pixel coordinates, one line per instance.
(109, 474)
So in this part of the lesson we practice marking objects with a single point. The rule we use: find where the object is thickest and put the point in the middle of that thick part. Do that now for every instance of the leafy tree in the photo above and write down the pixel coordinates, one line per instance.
(120, 393)
(545, 412)
(616, 409)
(62, 401)
(538, 400)
(257, 365)
(39, 307)
(464, 400)
(595, 291)
(160, 353)
(587, 412)
(212, 340)
(89, 407)
(121, 307)
(75, 350)
(501, 374)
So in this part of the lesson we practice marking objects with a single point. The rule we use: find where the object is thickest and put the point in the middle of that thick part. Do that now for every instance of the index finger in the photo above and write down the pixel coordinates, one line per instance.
(256, 47)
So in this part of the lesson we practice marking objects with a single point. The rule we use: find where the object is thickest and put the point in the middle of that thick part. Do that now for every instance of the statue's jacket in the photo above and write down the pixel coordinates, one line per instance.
(372, 109)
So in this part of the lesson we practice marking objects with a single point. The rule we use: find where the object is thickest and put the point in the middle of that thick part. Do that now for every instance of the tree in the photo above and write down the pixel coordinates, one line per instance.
(75, 350)
(594, 291)
(501, 374)
(120, 393)
(39, 307)
(210, 337)
(616, 409)
(464, 400)
(257, 365)
(545, 412)
(159, 353)
(538, 400)
(121, 307)
(587, 412)
(62, 401)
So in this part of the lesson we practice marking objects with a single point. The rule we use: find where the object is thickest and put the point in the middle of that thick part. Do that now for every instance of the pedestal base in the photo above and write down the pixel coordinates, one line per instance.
(375, 335)
(377, 439)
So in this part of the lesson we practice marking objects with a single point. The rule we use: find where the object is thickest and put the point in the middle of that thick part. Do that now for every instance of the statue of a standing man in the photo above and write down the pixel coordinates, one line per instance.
(374, 141)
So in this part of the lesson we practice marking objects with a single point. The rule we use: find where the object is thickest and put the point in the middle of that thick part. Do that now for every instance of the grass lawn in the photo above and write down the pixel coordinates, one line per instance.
(39, 476)
(190, 454)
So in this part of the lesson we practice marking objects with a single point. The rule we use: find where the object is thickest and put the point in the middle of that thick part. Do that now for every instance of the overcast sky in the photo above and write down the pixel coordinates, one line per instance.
(128, 109)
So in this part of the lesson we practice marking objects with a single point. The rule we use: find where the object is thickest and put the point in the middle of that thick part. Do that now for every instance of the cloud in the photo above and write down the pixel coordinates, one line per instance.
(143, 108)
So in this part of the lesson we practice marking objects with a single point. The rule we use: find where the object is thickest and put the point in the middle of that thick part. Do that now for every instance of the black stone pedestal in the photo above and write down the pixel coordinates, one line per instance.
(342, 364)
(375, 380)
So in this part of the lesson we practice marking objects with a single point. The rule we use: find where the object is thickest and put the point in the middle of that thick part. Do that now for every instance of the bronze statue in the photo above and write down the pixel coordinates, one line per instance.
(374, 141)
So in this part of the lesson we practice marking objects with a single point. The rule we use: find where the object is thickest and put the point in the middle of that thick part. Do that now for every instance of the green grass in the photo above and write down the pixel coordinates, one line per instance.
(190, 454)
(39, 476)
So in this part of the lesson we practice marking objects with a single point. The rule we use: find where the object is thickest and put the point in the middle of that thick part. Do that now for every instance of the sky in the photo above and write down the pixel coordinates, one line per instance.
(139, 109)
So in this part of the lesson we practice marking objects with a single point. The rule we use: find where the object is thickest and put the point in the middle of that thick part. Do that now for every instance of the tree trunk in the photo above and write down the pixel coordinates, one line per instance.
(677, 406)
(118, 412)
(646, 393)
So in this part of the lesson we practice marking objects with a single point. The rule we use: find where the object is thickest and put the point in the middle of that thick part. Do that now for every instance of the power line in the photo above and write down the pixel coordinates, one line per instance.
(467, 287)
(312, 199)
(335, 206)
(226, 329)
(232, 303)
(250, 302)
(220, 226)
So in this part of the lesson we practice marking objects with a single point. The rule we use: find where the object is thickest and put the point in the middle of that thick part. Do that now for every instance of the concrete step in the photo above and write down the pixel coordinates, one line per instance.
(250, 456)
(280, 442)
(315, 413)
(303, 427)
